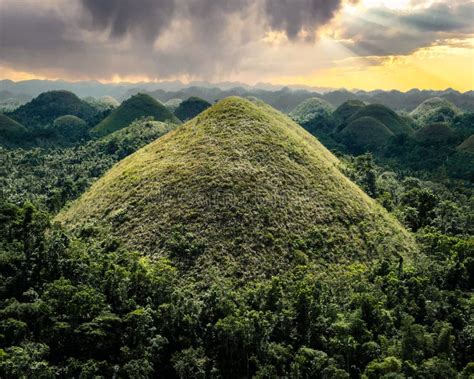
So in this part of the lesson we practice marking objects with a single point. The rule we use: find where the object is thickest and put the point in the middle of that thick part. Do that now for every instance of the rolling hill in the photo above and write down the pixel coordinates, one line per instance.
(10, 130)
(436, 133)
(240, 189)
(48, 106)
(386, 116)
(346, 110)
(365, 133)
(435, 110)
(190, 108)
(313, 113)
(137, 106)
(467, 145)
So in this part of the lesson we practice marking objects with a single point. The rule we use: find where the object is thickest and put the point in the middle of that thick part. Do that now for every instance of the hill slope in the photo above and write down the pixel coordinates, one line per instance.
(242, 189)
(435, 109)
(365, 133)
(384, 115)
(137, 106)
(435, 133)
(467, 145)
(48, 106)
(190, 108)
(10, 130)
(346, 110)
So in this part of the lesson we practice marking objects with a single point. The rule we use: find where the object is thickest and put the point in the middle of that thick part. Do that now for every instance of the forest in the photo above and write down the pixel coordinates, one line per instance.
(77, 300)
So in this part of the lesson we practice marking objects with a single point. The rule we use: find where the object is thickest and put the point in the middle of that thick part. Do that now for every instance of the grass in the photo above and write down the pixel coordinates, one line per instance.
(10, 130)
(241, 189)
(346, 110)
(310, 109)
(436, 133)
(467, 145)
(190, 108)
(386, 116)
(366, 132)
(140, 105)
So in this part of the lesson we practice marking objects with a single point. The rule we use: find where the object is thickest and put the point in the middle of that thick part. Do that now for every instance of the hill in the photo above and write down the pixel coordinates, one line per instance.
(137, 106)
(70, 128)
(365, 133)
(10, 130)
(346, 110)
(172, 104)
(313, 113)
(240, 189)
(190, 108)
(435, 110)
(48, 106)
(467, 145)
(436, 133)
(386, 116)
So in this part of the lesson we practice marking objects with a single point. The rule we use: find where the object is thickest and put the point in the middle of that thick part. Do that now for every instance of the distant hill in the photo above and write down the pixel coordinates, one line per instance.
(172, 104)
(102, 103)
(190, 108)
(48, 106)
(436, 133)
(140, 105)
(313, 113)
(10, 130)
(385, 116)
(365, 133)
(346, 110)
(239, 189)
(467, 145)
(435, 110)
(70, 128)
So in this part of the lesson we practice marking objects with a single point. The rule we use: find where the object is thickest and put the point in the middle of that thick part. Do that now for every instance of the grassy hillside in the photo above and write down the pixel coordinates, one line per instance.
(241, 189)
(435, 110)
(365, 133)
(346, 110)
(467, 145)
(48, 106)
(310, 109)
(137, 106)
(190, 108)
(384, 115)
(436, 133)
(10, 130)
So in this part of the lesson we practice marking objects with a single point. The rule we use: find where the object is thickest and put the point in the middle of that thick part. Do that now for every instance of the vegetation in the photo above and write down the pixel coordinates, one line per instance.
(236, 246)
(467, 145)
(435, 110)
(365, 133)
(137, 106)
(440, 133)
(346, 110)
(48, 106)
(70, 128)
(190, 108)
(172, 104)
(384, 115)
(10, 130)
(313, 114)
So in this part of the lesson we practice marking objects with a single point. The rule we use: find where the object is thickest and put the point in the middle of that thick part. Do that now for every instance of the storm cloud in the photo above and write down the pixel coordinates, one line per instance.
(201, 39)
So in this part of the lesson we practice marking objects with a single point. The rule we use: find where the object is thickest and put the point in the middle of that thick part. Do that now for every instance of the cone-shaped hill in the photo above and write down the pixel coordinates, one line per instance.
(386, 116)
(48, 106)
(242, 189)
(10, 130)
(310, 109)
(140, 105)
(467, 145)
(366, 133)
(435, 109)
(190, 108)
(346, 110)
(435, 133)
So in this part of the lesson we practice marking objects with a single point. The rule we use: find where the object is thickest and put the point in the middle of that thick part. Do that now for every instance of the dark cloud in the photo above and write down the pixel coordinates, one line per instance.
(293, 16)
(144, 17)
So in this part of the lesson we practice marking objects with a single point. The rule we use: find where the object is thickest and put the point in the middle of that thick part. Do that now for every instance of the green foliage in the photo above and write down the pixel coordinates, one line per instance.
(11, 132)
(384, 115)
(136, 107)
(435, 134)
(435, 110)
(345, 111)
(48, 106)
(190, 108)
(365, 133)
(314, 114)
(239, 183)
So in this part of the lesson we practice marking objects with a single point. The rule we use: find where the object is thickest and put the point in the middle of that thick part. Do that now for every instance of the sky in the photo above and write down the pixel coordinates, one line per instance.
(364, 44)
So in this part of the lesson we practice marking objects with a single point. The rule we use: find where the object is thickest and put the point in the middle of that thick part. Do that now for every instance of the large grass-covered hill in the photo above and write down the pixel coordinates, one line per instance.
(365, 133)
(137, 106)
(48, 106)
(240, 189)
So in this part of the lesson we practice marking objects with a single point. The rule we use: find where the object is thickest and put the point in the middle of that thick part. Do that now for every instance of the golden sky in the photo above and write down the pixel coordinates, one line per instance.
(365, 44)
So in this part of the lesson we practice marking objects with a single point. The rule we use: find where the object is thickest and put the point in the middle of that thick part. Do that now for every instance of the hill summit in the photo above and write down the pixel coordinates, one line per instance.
(137, 106)
(48, 106)
(242, 189)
